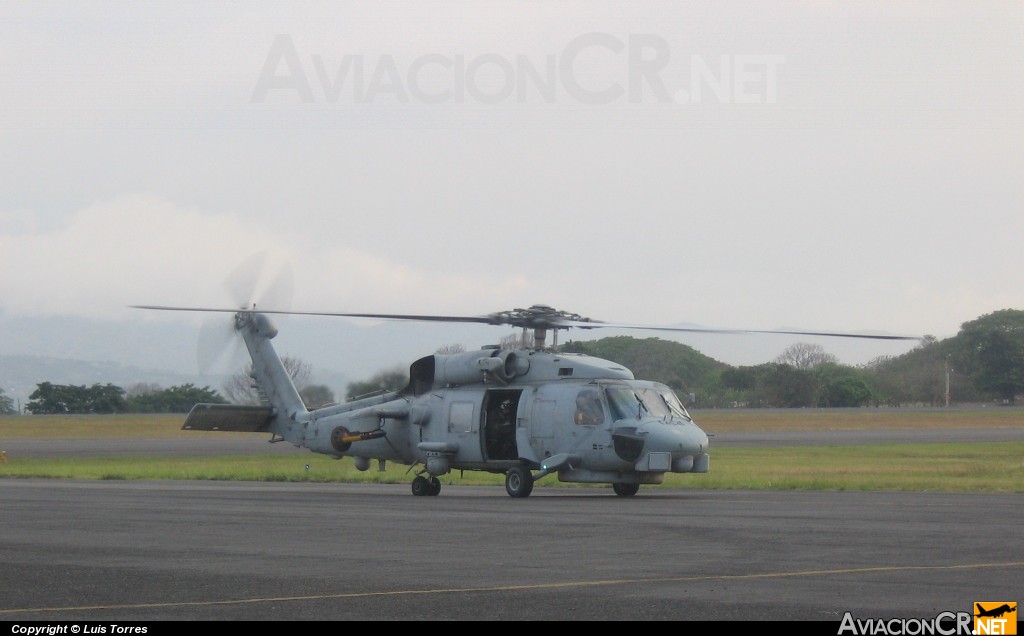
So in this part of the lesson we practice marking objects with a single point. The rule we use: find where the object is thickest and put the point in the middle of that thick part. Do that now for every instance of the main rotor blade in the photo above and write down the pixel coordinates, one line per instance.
(552, 322)
(484, 319)
(168, 308)
(830, 334)
(487, 320)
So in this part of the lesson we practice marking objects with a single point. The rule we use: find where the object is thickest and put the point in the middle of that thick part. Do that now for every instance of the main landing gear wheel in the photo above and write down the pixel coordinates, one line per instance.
(625, 490)
(424, 487)
(518, 482)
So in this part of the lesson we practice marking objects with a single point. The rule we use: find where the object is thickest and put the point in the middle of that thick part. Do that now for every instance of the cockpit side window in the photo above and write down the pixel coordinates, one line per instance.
(654, 402)
(624, 403)
(589, 411)
(675, 405)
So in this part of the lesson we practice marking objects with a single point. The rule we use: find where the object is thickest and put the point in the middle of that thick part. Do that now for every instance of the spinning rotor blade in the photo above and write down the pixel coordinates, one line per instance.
(536, 317)
(243, 280)
(250, 282)
(542, 317)
(831, 334)
(219, 349)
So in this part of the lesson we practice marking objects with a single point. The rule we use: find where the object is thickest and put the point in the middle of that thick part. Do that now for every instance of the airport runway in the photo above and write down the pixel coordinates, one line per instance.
(188, 551)
(183, 551)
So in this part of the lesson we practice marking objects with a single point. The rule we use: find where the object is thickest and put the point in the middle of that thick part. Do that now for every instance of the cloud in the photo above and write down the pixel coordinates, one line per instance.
(142, 249)
(17, 222)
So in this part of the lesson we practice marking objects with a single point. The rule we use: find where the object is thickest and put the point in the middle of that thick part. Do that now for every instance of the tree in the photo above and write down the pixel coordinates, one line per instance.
(316, 395)
(390, 380)
(843, 386)
(993, 352)
(517, 341)
(177, 399)
(106, 398)
(786, 386)
(240, 387)
(450, 348)
(6, 404)
(740, 378)
(50, 399)
(802, 355)
(919, 376)
(141, 388)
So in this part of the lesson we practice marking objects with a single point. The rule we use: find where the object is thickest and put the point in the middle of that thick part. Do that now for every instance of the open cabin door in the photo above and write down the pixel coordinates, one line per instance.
(501, 419)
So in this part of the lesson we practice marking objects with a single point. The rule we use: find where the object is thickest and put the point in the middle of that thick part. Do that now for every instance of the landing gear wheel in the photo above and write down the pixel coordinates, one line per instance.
(435, 487)
(625, 490)
(421, 487)
(518, 482)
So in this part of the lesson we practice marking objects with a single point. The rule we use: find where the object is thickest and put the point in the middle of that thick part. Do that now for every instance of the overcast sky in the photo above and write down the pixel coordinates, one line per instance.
(814, 165)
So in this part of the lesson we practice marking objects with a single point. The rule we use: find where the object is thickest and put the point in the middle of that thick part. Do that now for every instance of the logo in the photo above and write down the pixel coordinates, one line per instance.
(989, 619)
(995, 618)
(592, 68)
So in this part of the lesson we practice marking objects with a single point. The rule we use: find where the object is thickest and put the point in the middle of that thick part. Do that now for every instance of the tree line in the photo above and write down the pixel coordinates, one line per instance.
(984, 362)
(60, 399)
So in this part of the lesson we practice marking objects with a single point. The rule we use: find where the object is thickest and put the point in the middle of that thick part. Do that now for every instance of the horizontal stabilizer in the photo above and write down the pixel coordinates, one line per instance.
(228, 417)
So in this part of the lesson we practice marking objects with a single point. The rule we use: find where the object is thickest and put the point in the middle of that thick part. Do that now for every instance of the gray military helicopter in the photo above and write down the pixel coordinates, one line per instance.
(526, 414)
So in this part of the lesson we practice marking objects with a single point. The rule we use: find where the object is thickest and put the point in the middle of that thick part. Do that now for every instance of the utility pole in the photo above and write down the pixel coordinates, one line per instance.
(948, 369)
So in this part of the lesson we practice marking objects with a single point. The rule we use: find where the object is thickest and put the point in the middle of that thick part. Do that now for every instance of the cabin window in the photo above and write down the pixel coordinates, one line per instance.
(589, 411)
(460, 417)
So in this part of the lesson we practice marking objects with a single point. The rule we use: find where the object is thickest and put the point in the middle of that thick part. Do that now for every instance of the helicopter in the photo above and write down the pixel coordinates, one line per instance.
(524, 413)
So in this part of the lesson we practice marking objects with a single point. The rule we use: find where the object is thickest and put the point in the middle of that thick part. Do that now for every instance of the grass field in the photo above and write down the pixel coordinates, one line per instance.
(93, 426)
(853, 419)
(981, 467)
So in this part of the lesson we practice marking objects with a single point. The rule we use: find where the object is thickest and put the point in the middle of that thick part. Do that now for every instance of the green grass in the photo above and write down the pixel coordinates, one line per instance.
(920, 467)
(858, 419)
(982, 467)
(974, 467)
(308, 467)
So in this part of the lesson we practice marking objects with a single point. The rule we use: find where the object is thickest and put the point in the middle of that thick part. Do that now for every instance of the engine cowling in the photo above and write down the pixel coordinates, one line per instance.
(471, 367)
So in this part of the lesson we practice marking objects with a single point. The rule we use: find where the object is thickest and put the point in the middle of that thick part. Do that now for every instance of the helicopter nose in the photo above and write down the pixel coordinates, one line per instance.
(686, 440)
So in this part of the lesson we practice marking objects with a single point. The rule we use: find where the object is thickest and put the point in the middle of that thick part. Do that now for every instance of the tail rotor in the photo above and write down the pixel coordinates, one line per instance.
(220, 351)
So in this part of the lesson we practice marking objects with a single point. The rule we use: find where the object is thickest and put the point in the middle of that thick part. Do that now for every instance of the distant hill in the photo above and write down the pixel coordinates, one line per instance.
(679, 366)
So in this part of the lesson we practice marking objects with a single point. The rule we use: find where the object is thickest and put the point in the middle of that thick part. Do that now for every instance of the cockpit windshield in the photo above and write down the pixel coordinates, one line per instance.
(629, 403)
(673, 403)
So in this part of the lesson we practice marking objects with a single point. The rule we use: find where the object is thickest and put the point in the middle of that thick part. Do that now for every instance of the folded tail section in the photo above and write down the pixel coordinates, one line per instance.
(229, 417)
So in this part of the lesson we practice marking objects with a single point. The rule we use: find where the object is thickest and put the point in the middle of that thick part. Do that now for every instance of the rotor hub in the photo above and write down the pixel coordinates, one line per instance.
(537, 317)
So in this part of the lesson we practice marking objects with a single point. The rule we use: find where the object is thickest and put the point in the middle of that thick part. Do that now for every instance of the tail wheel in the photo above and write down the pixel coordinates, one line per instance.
(518, 482)
(625, 490)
